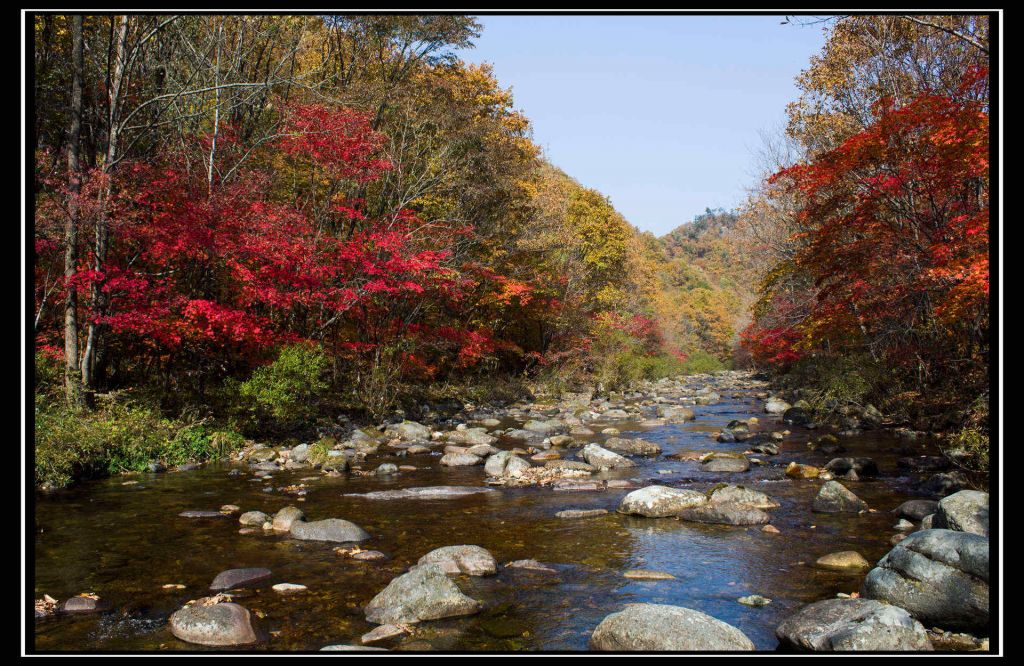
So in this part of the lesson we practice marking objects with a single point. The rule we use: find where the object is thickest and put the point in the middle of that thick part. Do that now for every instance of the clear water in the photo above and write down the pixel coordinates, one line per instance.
(123, 542)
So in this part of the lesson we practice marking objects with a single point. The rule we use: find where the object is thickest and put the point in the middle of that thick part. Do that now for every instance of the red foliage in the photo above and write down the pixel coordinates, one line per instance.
(894, 226)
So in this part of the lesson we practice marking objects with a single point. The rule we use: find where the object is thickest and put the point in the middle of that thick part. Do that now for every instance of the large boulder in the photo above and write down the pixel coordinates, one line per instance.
(663, 628)
(852, 625)
(834, 497)
(330, 529)
(964, 511)
(466, 560)
(660, 501)
(216, 624)
(939, 576)
(424, 593)
(602, 458)
(633, 447)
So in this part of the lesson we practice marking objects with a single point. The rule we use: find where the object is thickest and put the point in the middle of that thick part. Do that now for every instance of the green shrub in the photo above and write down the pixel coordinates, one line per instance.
(290, 389)
(72, 444)
(828, 383)
(700, 361)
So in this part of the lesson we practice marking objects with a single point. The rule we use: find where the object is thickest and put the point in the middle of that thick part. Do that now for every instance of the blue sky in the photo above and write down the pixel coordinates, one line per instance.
(660, 113)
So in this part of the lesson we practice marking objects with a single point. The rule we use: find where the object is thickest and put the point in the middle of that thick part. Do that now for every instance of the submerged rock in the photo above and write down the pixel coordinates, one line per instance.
(663, 628)
(426, 493)
(424, 593)
(232, 578)
(847, 625)
(845, 560)
(725, 514)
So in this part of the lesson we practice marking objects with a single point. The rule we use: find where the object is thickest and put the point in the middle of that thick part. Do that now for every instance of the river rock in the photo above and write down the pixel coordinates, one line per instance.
(744, 496)
(798, 416)
(424, 593)
(287, 516)
(849, 625)
(859, 466)
(676, 413)
(844, 560)
(505, 463)
(84, 604)
(543, 427)
(635, 447)
(944, 483)
(834, 497)
(776, 406)
(723, 462)
(466, 560)
(472, 437)
(570, 514)
(571, 465)
(201, 514)
(426, 493)
(724, 514)
(217, 624)
(460, 459)
(939, 576)
(602, 458)
(663, 628)
(797, 471)
(232, 578)
(330, 529)
(408, 431)
(660, 501)
(253, 518)
(917, 509)
(963, 511)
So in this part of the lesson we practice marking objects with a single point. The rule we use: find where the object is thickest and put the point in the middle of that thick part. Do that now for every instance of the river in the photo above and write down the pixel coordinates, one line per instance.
(125, 542)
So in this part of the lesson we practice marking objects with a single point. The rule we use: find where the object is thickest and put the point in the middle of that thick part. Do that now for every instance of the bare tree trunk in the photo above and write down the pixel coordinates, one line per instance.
(72, 376)
(97, 299)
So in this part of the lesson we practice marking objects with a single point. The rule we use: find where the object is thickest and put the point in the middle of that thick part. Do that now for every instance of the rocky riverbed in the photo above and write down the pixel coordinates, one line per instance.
(696, 513)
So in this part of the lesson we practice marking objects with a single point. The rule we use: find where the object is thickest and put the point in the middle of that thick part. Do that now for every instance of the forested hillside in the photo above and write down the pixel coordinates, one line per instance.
(244, 224)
